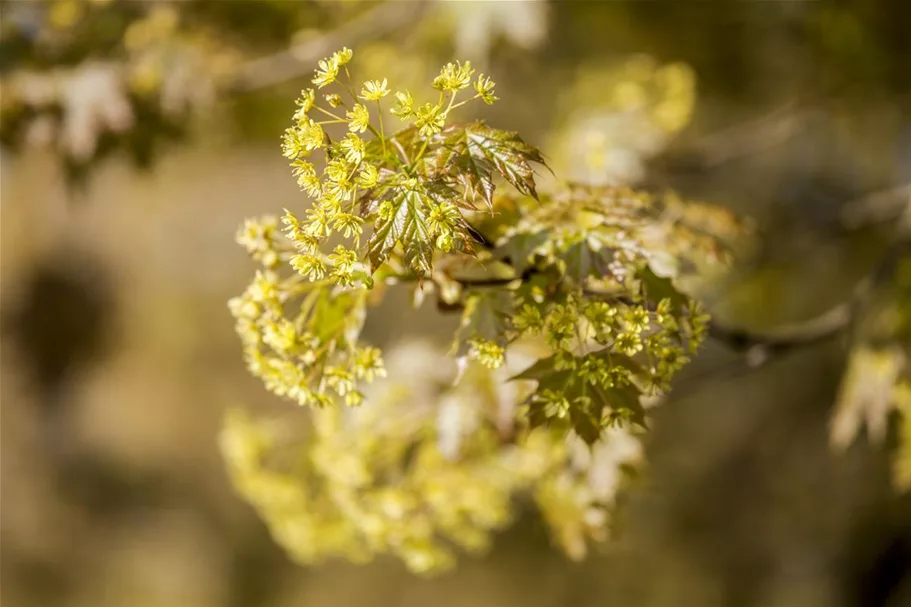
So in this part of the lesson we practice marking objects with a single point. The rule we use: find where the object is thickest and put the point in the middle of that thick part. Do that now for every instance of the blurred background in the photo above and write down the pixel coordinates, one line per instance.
(137, 136)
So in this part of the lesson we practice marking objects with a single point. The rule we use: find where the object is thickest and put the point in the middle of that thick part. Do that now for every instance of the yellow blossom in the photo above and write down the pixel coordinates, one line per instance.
(309, 265)
(304, 104)
(404, 105)
(429, 120)
(333, 99)
(327, 71)
(353, 146)
(454, 76)
(368, 177)
(484, 86)
(306, 177)
(358, 118)
(343, 56)
(374, 90)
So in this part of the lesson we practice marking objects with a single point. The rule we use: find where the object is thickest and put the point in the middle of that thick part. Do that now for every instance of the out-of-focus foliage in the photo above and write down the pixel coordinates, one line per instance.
(89, 77)
(590, 274)
(421, 468)
(877, 381)
(478, 26)
(618, 118)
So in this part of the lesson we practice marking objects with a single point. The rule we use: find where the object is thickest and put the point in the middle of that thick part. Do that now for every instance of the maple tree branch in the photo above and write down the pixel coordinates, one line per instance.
(879, 207)
(759, 346)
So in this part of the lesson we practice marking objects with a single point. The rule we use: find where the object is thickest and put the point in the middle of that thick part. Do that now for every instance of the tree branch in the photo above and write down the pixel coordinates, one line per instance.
(883, 206)
(738, 141)
(298, 60)
(759, 346)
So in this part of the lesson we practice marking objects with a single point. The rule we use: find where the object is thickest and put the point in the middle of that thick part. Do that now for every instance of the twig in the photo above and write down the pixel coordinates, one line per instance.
(296, 61)
(759, 347)
(882, 206)
(741, 140)
(752, 137)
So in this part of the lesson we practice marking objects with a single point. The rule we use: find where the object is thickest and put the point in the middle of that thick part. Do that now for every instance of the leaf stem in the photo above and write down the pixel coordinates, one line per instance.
(401, 150)
(328, 113)
(450, 106)
(379, 112)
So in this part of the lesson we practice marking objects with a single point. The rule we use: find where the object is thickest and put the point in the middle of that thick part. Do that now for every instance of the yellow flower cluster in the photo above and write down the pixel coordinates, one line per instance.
(312, 357)
(365, 178)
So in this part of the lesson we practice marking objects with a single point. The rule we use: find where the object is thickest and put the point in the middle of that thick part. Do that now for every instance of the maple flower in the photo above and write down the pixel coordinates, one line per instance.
(484, 86)
(488, 353)
(304, 104)
(358, 118)
(302, 139)
(306, 177)
(429, 119)
(368, 177)
(454, 76)
(309, 265)
(374, 90)
(327, 71)
(347, 224)
(354, 148)
(333, 99)
(404, 105)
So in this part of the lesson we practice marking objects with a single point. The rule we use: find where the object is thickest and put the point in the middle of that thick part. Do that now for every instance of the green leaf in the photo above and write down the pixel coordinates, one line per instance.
(589, 399)
(622, 398)
(540, 370)
(583, 262)
(406, 223)
(537, 414)
(469, 155)
(404, 139)
(441, 191)
(585, 417)
(506, 152)
(486, 316)
(452, 161)
(519, 248)
(475, 175)
(658, 287)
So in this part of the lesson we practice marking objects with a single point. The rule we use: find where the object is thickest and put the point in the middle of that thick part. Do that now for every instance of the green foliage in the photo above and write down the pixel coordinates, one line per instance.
(588, 271)
(878, 377)
(588, 275)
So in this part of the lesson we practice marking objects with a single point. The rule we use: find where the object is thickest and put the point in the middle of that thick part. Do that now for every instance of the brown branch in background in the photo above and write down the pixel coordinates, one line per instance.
(753, 136)
(880, 207)
(739, 140)
(298, 60)
(759, 347)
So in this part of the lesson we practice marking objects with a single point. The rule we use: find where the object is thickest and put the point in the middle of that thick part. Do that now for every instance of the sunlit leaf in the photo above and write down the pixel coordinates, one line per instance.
(405, 223)
(506, 151)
